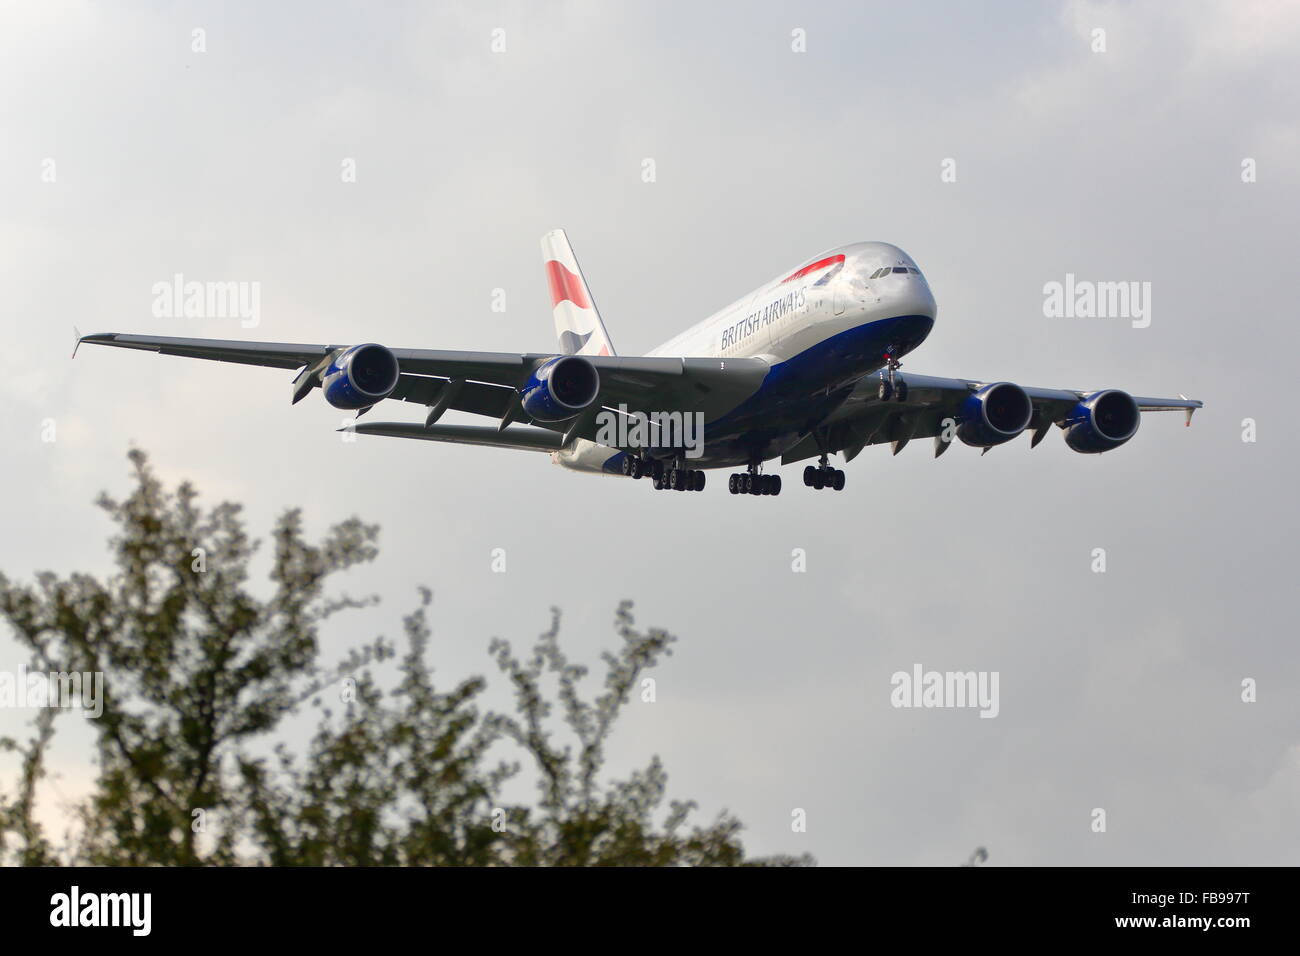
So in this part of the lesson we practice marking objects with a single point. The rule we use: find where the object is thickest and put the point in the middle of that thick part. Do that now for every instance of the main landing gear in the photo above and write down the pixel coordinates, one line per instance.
(823, 476)
(634, 466)
(680, 479)
(892, 387)
(663, 477)
(753, 483)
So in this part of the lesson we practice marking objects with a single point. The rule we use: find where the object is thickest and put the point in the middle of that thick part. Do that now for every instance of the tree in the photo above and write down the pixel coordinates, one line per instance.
(202, 672)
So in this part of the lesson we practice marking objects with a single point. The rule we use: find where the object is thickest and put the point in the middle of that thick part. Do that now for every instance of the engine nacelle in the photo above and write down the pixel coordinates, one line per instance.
(360, 376)
(995, 414)
(1102, 421)
(560, 388)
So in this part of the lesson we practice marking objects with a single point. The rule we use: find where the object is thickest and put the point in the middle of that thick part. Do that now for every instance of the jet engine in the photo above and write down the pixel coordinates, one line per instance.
(995, 414)
(560, 388)
(360, 376)
(1102, 421)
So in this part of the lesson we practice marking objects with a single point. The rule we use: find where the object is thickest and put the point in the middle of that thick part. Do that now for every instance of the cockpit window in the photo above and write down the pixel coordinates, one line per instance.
(915, 272)
(877, 274)
(898, 269)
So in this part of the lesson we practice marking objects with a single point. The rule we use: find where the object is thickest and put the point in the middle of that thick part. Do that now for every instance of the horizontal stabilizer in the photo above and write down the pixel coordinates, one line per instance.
(519, 437)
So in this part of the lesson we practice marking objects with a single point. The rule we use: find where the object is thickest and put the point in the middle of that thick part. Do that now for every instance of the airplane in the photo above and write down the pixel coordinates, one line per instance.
(805, 366)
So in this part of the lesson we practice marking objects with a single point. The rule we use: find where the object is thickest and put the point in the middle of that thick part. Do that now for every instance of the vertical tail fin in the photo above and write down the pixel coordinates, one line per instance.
(577, 322)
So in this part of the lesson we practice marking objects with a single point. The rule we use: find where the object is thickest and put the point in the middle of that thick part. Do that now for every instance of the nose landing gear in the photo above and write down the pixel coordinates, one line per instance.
(891, 387)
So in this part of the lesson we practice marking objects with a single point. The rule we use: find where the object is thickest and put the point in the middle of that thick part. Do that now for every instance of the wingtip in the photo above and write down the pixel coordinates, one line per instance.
(95, 338)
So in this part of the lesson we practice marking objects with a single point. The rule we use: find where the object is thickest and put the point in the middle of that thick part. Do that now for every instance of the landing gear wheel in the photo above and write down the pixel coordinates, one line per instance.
(886, 391)
(659, 483)
(699, 481)
(627, 465)
(900, 391)
(747, 483)
(837, 480)
(776, 484)
(819, 479)
(732, 482)
(808, 474)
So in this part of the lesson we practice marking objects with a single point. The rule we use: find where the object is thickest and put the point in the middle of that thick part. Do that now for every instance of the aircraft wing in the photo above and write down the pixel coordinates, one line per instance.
(273, 354)
(497, 368)
(487, 383)
(864, 419)
(518, 437)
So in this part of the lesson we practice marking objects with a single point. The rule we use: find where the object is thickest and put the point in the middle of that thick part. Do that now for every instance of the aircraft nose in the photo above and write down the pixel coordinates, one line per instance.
(915, 298)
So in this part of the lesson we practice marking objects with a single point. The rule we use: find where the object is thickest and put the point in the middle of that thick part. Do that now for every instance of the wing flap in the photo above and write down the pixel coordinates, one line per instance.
(477, 398)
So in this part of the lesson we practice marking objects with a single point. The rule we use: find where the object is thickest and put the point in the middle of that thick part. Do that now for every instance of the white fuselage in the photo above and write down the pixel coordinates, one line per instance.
(833, 293)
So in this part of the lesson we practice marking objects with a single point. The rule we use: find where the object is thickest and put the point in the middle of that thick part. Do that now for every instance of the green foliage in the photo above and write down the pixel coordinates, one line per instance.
(200, 672)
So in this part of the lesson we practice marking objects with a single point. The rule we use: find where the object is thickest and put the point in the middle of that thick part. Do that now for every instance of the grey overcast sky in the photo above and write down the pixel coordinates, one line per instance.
(1118, 690)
